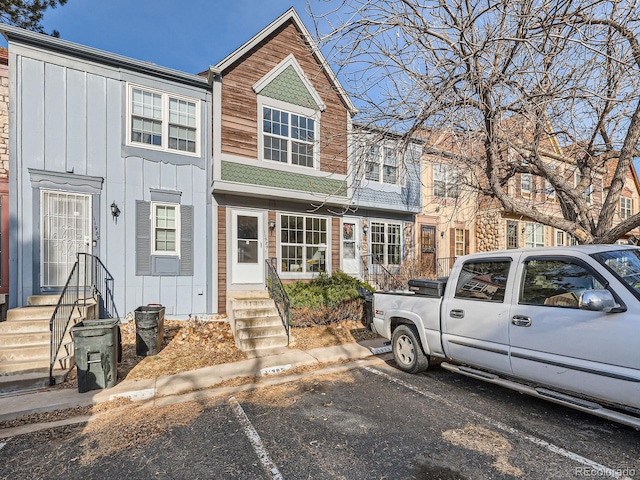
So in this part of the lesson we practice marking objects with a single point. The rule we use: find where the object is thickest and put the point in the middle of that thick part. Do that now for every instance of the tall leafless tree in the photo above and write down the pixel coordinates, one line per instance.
(520, 83)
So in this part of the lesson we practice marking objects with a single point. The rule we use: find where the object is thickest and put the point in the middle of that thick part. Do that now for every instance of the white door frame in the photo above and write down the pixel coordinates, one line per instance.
(351, 266)
(251, 269)
(63, 233)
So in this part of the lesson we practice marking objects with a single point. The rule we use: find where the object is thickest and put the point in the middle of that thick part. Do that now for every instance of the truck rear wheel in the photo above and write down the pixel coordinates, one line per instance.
(407, 351)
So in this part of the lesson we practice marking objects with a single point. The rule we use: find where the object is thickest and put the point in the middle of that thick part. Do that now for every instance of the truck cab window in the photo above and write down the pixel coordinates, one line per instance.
(483, 280)
(557, 283)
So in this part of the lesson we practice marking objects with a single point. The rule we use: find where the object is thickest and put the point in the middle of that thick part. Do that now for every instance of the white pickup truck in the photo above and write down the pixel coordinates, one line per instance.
(558, 323)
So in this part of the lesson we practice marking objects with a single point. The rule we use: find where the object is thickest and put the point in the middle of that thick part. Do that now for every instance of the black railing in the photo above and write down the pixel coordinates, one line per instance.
(278, 294)
(444, 266)
(88, 281)
(378, 275)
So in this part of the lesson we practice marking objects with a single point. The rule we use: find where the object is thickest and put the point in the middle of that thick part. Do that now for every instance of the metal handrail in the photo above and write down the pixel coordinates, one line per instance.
(90, 281)
(278, 294)
(444, 266)
(382, 277)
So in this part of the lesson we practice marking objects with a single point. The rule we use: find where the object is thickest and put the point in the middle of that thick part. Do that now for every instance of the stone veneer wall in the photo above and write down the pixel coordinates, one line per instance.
(489, 232)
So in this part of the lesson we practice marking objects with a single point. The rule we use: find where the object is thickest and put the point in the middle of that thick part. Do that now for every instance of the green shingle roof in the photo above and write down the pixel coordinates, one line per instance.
(266, 177)
(288, 87)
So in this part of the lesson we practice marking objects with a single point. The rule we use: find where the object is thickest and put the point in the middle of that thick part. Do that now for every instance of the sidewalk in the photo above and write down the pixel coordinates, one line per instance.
(20, 404)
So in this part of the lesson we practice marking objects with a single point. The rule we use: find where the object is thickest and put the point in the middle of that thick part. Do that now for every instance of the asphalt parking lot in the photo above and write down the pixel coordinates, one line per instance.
(365, 423)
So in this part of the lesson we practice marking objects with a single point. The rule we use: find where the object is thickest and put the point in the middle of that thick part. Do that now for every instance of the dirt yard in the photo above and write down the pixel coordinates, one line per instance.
(193, 344)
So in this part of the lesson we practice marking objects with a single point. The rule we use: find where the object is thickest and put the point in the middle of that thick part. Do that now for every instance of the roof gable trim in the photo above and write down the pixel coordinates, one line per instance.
(289, 15)
(290, 61)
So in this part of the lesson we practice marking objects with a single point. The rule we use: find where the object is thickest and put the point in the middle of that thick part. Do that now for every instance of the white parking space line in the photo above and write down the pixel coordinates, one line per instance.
(255, 440)
(602, 470)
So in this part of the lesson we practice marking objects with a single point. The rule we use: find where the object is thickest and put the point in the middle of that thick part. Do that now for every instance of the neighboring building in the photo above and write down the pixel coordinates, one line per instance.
(445, 228)
(385, 175)
(92, 134)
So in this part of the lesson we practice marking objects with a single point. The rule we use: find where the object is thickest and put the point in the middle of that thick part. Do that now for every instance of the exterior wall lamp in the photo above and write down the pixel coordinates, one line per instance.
(272, 225)
(365, 229)
(115, 211)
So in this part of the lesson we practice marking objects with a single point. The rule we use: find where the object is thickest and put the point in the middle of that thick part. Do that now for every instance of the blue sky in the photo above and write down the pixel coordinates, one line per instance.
(187, 35)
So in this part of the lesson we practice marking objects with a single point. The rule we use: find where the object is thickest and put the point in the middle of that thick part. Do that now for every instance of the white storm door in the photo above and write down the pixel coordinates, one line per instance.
(65, 231)
(350, 248)
(247, 256)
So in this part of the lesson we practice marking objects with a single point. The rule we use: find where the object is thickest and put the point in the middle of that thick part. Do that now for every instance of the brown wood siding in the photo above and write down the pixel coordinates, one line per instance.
(273, 236)
(240, 127)
(335, 244)
(222, 260)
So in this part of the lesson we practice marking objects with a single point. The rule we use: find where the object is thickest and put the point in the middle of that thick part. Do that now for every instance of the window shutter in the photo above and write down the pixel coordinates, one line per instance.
(466, 242)
(143, 238)
(186, 240)
(452, 242)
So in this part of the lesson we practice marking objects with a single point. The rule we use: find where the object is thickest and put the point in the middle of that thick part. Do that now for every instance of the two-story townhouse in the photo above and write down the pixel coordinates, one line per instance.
(499, 230)
(108, 156)
(386, 179)
(281, 189)
(445, 228)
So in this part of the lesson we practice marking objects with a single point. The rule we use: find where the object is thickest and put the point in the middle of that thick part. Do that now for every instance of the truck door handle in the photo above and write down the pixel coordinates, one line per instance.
(521, 321)
(456, 313)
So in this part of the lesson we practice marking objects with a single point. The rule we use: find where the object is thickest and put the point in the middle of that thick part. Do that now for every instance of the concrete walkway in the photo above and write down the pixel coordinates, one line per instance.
(17, 405)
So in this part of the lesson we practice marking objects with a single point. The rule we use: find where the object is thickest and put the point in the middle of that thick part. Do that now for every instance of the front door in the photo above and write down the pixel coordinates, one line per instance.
(247, 256)
(66, 230)
(428, 248)
(350, 251)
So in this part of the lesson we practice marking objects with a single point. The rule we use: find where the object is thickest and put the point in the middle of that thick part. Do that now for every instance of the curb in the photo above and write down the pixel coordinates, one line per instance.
(203, 379)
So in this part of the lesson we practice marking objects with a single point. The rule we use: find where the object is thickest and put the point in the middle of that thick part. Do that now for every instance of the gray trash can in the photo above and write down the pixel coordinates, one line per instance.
(149, 329)
(97, 346)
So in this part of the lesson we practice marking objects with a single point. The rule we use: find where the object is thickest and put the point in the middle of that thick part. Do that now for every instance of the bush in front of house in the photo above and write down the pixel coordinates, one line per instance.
(326, 299)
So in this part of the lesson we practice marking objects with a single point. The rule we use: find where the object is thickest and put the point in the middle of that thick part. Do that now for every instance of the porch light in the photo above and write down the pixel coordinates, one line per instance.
(115, 211)
(365, 229)
(272, 225)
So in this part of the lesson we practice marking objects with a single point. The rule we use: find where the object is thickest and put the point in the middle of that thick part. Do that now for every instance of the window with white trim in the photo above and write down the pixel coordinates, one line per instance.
(533, 235)
(382, 165)
(625, 207)
(460, 242)
(372, 164)
(288, 137)
(163, 121)
(303, 244)
(526, 180)
(165, 228)
(386, 242)
(445, 181)
(560, 234)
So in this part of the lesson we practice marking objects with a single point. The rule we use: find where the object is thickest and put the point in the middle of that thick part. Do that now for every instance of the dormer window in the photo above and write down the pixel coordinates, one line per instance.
(289, 111)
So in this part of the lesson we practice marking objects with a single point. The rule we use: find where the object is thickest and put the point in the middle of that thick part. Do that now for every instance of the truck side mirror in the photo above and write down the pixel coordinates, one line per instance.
(597, 301)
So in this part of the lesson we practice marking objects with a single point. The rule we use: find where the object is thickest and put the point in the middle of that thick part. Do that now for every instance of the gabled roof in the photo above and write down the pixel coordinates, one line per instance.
(289, 16)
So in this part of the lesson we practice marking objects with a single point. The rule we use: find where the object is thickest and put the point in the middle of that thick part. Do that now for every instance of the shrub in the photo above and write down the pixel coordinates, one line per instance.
(326, 299)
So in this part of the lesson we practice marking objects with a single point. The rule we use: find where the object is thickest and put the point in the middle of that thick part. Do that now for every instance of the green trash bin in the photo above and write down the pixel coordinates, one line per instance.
(97, 345)
(149, 329)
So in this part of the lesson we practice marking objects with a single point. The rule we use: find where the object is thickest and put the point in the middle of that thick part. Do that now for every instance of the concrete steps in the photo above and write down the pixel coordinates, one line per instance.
(256, 324)
(25, 345)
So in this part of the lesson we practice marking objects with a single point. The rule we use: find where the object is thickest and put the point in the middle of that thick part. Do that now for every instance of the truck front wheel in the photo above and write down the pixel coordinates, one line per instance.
(407, 351)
